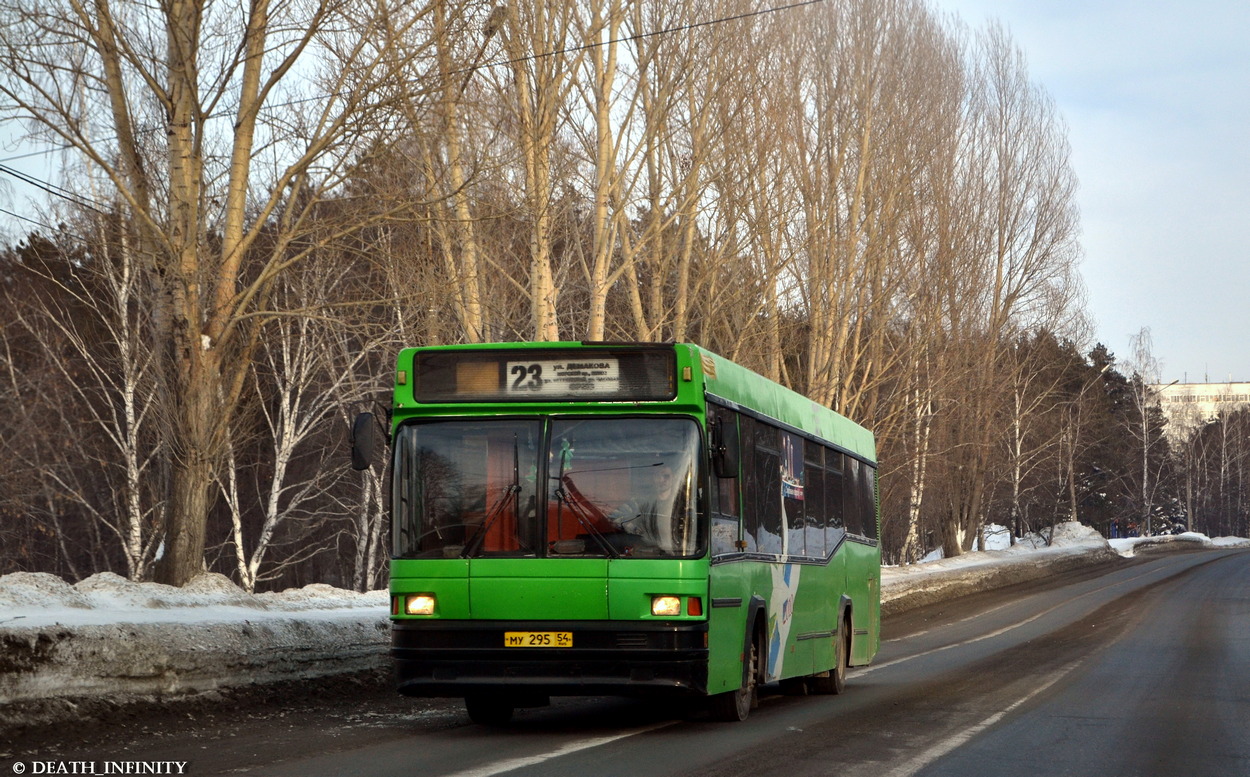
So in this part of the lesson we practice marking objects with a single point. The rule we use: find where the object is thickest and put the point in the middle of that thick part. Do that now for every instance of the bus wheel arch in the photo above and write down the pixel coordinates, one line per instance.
(834, 681)
(736, 705)
(759, 639)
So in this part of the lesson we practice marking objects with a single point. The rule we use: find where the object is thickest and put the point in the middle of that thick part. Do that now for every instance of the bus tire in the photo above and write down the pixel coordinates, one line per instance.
(794, 686)
(488, 711)
(737, 705)
(834, 681)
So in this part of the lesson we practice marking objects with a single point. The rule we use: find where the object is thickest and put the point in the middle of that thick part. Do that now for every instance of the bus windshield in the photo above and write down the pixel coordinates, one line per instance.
(465, 488)
(616, 487)
(623, 487)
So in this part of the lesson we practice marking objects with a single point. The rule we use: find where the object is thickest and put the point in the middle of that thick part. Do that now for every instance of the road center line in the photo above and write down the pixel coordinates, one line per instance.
(1011, 627)
(869, 669)
(956, 740)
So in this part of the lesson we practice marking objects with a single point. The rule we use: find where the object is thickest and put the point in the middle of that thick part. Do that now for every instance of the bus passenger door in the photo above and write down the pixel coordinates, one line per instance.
(729, 584)
(729, 600)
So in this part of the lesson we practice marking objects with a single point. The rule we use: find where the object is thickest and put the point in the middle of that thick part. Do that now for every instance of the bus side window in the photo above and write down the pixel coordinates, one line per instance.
(793, 492)
(726, 507)
(868, 500)
(834, 530)
(764, 508)
(852, 512)
(814, 499)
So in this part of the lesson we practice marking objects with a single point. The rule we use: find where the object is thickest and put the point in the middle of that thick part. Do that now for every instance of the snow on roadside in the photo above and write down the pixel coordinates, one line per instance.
(107, 637)
(1072, 545)
(40, 599)
(1133, 545)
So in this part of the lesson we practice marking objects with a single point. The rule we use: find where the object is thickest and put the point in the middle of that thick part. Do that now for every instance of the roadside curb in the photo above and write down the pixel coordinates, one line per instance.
(903, 590)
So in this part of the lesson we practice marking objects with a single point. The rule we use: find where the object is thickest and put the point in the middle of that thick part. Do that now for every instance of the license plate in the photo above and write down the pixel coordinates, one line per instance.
(559, 639)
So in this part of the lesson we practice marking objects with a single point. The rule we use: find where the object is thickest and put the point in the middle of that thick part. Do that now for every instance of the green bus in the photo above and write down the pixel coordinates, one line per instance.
(622, 519)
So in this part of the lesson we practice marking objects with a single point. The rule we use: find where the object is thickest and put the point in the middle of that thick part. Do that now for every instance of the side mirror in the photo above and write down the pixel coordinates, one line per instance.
(364, 441)
(725, 459)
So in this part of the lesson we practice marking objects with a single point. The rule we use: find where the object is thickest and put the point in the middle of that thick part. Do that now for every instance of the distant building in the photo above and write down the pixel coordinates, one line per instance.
(1190, 405)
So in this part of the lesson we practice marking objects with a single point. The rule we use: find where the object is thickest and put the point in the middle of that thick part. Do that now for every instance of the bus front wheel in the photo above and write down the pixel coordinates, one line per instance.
(488, 711)
(737, 705)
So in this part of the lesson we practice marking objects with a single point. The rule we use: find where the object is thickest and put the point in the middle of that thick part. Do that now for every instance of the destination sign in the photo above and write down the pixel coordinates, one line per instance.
(570, 377)
(610, 374)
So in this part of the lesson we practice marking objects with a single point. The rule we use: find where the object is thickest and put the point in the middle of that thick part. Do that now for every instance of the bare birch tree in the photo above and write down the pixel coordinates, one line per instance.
(215, 127)
(93, 330)
(1020, 187)
(302, 380)
(544, 53)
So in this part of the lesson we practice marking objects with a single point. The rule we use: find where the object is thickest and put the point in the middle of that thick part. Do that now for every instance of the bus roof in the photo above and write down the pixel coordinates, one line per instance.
(733, 383)
(701, 371)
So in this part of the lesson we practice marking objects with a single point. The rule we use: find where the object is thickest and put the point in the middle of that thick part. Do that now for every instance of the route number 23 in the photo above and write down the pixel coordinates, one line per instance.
(528, 378)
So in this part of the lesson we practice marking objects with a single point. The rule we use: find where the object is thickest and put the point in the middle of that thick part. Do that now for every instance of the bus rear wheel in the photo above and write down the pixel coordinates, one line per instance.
(737, 705)
(488, 711)
(834, 681)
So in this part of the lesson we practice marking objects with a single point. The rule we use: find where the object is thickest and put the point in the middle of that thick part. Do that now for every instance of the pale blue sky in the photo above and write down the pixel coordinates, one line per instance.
(1156, 96)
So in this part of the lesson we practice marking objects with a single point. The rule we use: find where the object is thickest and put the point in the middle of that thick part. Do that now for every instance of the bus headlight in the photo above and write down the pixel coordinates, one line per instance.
(666, 605)
(419, 604)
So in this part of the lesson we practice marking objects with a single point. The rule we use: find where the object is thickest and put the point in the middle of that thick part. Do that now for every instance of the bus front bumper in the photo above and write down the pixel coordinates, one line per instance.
(607, 658)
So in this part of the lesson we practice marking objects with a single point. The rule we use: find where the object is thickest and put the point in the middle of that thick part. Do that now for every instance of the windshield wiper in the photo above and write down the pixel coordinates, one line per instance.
(579, 512)
(513, 490)
(570, 497)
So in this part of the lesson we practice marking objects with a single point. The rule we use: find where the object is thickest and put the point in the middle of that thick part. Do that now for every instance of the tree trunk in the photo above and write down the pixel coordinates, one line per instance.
(183, 555)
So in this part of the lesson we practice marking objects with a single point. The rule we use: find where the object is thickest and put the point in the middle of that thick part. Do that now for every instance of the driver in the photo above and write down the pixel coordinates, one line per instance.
(648, 508)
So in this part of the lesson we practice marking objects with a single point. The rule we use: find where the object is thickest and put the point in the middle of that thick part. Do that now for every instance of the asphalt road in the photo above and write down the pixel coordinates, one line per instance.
(1143, 670)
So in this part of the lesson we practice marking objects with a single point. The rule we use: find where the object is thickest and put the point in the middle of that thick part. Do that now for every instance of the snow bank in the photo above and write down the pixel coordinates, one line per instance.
(109, 636)
(1072, 546)
(1132, 546)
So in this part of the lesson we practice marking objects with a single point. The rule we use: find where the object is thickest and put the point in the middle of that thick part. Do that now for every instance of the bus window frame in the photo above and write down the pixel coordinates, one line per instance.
(546, 421)
(744, 552)
(700, 481)
(399, 439)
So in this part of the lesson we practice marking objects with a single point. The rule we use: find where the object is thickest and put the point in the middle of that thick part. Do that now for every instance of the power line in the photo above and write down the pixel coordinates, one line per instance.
(587, 46)
(38, 223)
(57, 191)
(654, 33)
(50, 188)
(50, 150)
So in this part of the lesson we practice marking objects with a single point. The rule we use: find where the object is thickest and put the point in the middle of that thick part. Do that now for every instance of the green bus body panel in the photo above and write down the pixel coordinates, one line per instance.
(798, 617)
(728, 624)
(537, 589)
(865, 591)
(801, 601)
(632, 583)
(548, 589)
(448, 580)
